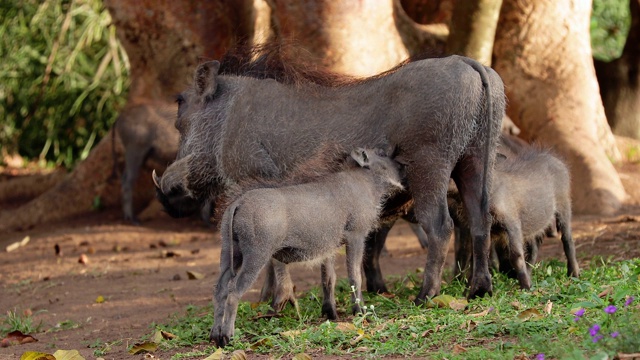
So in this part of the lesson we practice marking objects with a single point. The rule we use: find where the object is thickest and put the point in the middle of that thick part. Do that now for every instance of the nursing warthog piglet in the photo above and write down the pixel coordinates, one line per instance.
(530, 192)
(301, 223)
(442, 116)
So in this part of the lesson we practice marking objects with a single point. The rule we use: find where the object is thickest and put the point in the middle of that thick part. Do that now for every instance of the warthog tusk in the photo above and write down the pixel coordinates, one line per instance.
(156, 179)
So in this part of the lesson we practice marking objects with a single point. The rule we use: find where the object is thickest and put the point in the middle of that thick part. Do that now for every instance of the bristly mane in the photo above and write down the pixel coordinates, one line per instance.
(276, 61)
(290, 64)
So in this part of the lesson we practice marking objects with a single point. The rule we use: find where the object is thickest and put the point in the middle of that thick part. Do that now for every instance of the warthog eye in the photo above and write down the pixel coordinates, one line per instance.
(179, 99)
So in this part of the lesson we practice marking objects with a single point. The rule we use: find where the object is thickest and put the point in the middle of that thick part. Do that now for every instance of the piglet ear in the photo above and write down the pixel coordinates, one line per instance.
(361, 157)
(205, 78)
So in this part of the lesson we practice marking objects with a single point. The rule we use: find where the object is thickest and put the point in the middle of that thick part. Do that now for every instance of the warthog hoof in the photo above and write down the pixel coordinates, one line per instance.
(329, 310)
(480, 286)
(216, 337)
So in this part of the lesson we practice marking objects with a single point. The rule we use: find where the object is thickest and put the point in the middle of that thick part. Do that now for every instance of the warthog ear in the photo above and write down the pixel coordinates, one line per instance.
(205, 78)
(361, 157)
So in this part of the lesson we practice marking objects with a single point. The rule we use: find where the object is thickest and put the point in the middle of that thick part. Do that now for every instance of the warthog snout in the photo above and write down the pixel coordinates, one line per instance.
(172, 192)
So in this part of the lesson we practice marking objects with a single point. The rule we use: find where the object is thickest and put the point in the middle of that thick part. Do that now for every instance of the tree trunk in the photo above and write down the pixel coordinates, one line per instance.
(358, 38)
(620, 82)
(543, 54)
(164, 40)
(72, 196)
(429, 11)
(473, 29)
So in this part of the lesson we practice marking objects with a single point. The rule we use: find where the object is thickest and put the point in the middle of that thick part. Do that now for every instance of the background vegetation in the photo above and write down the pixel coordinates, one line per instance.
(62, 79)
(64, 75)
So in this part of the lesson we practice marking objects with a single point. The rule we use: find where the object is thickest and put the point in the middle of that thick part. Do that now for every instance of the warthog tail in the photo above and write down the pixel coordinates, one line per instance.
(489, 114)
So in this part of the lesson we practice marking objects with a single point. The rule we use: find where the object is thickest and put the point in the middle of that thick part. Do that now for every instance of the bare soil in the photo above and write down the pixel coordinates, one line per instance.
(141, 271)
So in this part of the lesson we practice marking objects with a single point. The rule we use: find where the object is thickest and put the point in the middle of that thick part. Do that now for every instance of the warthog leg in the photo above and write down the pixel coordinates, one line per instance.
(328, 277)
(373, 247)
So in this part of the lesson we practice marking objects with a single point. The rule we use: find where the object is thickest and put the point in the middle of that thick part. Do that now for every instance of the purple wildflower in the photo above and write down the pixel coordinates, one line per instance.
(540, 356)
(594, 330)
(615, 334)
(578, 314)
(610, 309)
(595, 339)
(629, 301)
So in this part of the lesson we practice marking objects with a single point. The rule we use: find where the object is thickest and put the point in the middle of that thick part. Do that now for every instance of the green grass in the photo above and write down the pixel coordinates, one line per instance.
(508, 324)
(15, 321)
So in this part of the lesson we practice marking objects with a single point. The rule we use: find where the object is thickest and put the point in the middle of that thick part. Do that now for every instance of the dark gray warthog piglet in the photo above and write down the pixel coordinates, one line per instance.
(530, 190)
(442, 115)
(301, 223)
(148, 133)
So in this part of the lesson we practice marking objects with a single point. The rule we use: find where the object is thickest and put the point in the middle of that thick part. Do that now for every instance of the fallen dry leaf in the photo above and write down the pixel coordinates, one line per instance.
(291, 333)
(35, 355)
(441, 301)
(458, 304)
(16, 338)
(217, 355)
(83, 259)
(516, 305)
(606, 292)
(168, 254)
(480, 314)
(345, 326)
(530, 314)
(548, 307)
(68, 355)
(57, 249)
(302, 356)
(458, 349)
(167, 335)
(629, 356)
(361, 335)
(18, 244)
(264, 342)
(146, 346)
(468, 325)
(238, 355)
(194, 275)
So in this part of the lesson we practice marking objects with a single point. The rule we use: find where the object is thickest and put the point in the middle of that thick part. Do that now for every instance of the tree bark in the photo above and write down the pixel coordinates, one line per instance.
(429, 11)
(473, 29)
(620, 82)
(359, 38)
(543, 54)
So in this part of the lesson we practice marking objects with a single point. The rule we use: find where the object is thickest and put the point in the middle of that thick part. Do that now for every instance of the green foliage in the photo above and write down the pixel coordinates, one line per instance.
(541, 322)
(13, 321)
(610, 20)
(62, 78)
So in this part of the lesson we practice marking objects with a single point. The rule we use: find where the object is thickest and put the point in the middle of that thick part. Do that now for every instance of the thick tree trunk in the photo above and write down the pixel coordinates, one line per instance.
(620, 82)
(473, 29)
(543, 54)
(429, 11)
(358, 38)
(164, 40)
(72, 196)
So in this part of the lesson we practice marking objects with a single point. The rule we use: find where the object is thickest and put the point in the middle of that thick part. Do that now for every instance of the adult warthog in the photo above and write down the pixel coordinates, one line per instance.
(442, 116)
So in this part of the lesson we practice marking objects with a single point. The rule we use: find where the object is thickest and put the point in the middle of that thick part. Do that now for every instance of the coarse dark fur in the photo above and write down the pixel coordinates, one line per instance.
(531, 190)
(442, 115)
(301, 223)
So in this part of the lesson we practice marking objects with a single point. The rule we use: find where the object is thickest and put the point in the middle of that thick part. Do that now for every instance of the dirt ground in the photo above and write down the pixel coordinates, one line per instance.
(133, 269)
